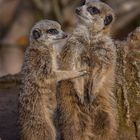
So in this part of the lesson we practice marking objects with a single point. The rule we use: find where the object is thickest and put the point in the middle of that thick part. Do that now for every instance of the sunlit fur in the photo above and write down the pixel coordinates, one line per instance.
(37, 101)
(86, 106)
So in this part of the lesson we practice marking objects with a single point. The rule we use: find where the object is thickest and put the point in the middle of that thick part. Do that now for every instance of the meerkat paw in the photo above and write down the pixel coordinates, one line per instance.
(78, 74)
(80, 98)
(83, 72)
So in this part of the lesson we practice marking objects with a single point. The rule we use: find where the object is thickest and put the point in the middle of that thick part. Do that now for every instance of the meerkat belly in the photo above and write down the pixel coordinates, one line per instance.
(49, 97)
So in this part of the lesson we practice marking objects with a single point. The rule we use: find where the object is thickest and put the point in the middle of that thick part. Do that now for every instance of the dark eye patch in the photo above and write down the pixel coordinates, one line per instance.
(52, 31)
(93, 10)
(108, 20)
(36, 34)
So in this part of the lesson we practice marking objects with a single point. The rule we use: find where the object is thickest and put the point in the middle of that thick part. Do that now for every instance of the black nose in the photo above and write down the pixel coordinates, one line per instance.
(77, 11)
(65, 36)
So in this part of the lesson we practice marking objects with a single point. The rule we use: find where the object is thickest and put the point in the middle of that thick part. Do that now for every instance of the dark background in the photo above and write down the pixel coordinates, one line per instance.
(18, 16)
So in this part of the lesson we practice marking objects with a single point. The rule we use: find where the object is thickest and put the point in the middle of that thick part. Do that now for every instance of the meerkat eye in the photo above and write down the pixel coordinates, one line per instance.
(52, 31)
(93, 10)
(108, 19)
(36, 34)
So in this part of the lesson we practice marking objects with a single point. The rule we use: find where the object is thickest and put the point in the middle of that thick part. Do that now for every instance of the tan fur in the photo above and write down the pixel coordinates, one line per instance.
(37, 101)
(86, 106)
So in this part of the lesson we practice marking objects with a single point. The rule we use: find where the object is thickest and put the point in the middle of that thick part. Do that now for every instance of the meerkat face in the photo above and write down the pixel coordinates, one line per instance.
(47, 32)
(95, 14)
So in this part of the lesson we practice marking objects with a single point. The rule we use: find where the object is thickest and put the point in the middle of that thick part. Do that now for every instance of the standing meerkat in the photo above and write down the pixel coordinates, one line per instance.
(90, 46)
(40, 73)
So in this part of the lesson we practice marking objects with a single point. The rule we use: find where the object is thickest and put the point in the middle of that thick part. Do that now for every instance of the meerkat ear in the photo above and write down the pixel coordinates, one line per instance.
(108, 19)
(36, 34)
(82, 2)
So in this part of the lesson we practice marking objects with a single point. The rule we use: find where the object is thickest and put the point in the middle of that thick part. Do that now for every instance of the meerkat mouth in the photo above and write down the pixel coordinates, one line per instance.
(82, 17)
(59, 38)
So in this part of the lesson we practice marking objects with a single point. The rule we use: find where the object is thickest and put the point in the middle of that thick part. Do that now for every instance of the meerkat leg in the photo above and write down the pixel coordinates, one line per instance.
(104, 125)
(67, 112)
(62, 75)
(65, 75)
(79, 87)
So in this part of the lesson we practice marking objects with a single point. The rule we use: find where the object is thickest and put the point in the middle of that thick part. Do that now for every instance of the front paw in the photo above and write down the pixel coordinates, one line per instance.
(80, 98)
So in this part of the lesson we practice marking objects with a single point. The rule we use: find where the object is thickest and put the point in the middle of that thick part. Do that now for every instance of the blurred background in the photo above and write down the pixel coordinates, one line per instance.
(18, 16)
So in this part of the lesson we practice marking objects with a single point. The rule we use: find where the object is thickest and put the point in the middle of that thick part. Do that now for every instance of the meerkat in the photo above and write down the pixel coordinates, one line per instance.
(40, 73)
(90, 46)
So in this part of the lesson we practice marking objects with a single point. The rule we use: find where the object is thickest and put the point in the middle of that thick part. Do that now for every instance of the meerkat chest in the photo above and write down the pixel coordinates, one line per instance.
(82, 61)
(76, 59)
(85, 58)
(99, 52)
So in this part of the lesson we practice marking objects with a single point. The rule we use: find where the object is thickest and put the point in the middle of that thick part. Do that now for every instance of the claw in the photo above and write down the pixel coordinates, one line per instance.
(80, 98)
(84, 72)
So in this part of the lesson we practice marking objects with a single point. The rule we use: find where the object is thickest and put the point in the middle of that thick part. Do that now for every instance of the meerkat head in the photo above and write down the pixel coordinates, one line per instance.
(95, 14)
(47, 32)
